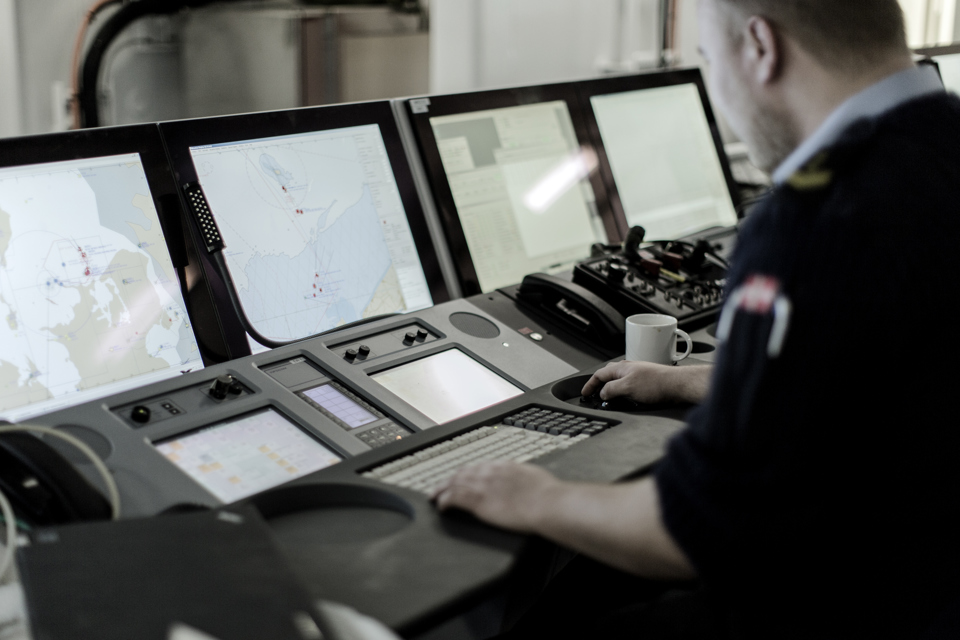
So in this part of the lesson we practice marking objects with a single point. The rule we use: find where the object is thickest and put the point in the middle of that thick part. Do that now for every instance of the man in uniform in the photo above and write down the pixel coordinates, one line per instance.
(815, 492)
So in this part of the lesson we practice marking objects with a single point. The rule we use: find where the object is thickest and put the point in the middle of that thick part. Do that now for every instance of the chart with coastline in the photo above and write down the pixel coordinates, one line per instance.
(90, 302)
(315, 231)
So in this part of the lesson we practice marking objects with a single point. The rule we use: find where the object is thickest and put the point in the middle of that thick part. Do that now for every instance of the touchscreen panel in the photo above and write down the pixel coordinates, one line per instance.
(331, 399)
(315, 229)
(247, 455)
(519, 182)
(664, 160)
(90, 301)
(447, 386)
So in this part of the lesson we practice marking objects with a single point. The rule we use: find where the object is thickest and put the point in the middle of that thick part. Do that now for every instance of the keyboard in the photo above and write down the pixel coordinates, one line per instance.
(519, 437)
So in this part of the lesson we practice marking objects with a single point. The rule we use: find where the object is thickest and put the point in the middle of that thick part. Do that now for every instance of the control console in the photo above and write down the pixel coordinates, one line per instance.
(678, 279)
(340, 455)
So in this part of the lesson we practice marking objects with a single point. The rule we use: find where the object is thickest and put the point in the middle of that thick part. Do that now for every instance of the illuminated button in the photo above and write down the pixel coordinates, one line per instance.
(140, 414)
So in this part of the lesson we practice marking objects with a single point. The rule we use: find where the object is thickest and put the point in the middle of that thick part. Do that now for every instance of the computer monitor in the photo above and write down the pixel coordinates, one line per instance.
(319, 214)
(447, 385)
(90, 298)
(660, 152)
(514, 177)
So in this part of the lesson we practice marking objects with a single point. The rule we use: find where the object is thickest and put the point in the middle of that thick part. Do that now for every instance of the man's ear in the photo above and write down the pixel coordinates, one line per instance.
(762, 50)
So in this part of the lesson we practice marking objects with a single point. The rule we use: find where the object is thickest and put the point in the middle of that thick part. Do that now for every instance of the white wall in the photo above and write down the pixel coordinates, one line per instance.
(478, 44)
(10, 118)
(931, 22)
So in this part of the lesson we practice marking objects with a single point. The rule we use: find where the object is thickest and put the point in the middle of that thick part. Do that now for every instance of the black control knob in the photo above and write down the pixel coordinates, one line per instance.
(364, 350)
(351, 354)
(235, 389)
(220, 386)
(422, 334)
(410, 338)
(616, 273)
(140, 414)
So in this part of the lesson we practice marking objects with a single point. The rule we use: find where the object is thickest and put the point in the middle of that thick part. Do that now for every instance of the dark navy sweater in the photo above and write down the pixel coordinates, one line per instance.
(818, 492)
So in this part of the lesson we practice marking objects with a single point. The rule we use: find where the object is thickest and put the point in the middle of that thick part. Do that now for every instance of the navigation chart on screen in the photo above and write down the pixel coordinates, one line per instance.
(315, 230)
(89, 297)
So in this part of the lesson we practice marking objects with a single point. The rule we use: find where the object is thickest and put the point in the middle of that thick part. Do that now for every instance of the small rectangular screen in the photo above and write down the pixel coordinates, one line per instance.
(340, 405)
(447, 386)
(520, 189)
(89, 298)
(245, 456)
(316, 232)
(664, 161)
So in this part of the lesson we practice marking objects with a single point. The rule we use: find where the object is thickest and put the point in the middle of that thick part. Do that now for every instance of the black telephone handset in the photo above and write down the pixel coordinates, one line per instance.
(577, 309)
(43, 487)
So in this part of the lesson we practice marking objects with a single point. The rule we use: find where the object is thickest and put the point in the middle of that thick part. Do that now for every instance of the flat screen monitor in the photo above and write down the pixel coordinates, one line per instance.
(514, 177)
(447, 385)
(319, 214)
(244, 456)
(90, 299)
(661, 153)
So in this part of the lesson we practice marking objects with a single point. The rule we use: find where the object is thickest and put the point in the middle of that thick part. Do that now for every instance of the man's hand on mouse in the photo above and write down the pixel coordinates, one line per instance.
(504, 494)
(650, 383)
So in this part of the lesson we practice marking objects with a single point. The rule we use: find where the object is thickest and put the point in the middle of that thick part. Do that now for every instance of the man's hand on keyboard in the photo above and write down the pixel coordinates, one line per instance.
(504, 494)
(616, 524)
(650, 383)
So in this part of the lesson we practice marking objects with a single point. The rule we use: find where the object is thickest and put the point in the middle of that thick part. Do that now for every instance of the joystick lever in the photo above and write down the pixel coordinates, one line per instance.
(220, 386)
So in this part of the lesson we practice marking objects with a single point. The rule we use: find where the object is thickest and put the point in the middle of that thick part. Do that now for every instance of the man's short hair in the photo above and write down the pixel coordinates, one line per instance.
(841, 34)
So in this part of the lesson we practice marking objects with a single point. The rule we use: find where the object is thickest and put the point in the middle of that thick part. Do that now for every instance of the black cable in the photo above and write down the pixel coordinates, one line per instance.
(87, 100)
(221, 262)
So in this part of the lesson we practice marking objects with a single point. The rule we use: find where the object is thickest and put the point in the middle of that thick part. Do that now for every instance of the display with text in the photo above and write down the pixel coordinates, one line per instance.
(519, 182)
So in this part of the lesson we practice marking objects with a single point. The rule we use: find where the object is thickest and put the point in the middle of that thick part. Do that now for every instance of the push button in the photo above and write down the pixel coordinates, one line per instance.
(140, 414)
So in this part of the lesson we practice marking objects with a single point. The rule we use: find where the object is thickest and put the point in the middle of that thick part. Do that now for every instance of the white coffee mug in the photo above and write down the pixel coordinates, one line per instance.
(653, 338)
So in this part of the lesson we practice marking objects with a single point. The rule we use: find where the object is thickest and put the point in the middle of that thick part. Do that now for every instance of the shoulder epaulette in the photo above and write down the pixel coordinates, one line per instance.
(813, 176)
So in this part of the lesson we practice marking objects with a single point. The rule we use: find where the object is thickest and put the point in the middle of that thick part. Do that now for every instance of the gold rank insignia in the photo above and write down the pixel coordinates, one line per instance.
(813, 175)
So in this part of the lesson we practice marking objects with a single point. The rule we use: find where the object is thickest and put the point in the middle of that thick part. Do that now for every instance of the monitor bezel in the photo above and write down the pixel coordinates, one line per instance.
(462, 103)
(142, 139)
(180, 135)
(110, 141)
(639, 82)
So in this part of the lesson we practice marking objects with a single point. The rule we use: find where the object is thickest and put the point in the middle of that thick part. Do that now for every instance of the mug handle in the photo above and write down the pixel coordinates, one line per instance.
(685, 336)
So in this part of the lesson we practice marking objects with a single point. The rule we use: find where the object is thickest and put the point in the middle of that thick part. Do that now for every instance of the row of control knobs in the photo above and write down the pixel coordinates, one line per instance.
(618, 273)
(220, 388)
(363, 351)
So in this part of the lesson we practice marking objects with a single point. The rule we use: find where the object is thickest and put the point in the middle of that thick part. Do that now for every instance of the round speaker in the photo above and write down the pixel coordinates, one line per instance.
(100, 445)
(474, 325)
